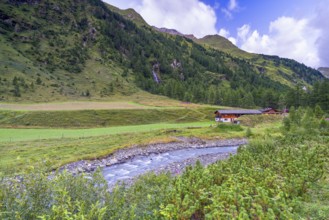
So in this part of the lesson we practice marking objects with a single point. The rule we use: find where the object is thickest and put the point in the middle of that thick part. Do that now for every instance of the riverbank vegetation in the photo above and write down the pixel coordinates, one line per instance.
(17, 156)
(274, 177)
(27, 147)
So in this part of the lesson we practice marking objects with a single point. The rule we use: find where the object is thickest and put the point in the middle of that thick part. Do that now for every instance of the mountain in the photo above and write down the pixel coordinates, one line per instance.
(68, 50)
(175, 32)
(324, 71)
(269, 65)
(129, 14)
(221, 43)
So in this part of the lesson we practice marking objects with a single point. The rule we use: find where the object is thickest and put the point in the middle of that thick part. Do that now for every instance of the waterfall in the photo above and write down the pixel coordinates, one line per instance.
(155, 76)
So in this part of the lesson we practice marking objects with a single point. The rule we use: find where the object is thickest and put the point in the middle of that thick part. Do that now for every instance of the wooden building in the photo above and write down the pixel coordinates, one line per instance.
(270, 111)
(232, 115)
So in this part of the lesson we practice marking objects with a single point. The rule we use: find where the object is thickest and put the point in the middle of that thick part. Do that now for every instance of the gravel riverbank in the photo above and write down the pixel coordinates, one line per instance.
(126, 154)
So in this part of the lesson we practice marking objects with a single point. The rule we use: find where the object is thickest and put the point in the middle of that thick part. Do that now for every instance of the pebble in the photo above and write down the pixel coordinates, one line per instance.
(122, 155)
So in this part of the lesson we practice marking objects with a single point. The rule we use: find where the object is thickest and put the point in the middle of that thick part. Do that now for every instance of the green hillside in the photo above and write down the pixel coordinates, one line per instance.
(285, 71)
(129, 14)
(221, 43)
(69, 50)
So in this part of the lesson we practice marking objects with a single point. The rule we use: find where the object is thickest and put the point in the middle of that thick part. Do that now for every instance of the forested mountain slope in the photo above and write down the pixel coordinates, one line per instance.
(53, 50)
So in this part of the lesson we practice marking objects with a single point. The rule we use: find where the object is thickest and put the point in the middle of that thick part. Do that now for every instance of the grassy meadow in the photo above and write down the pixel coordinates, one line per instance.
(27, 134)
(21, 148)
(61, 133)
(103, 118)
(16, 156)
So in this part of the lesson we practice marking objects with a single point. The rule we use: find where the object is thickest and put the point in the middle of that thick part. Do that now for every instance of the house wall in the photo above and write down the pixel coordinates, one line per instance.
(228, 118)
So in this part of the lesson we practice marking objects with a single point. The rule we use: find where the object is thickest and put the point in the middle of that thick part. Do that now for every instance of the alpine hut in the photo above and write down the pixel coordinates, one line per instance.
(232, 115)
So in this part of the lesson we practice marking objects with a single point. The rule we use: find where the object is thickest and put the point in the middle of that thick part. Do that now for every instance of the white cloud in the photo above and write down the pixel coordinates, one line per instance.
(223, 32)
(243, 32)
(186, 16)
(287, 37)
(216, 5)
(227, 13)
(233, 40)
(232, 5)
(320, 21)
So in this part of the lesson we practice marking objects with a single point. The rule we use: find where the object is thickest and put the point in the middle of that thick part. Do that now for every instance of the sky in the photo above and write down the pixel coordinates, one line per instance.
(295, 29)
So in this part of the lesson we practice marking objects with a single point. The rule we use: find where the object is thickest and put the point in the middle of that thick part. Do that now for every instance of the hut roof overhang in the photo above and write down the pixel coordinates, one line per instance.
(238, 112)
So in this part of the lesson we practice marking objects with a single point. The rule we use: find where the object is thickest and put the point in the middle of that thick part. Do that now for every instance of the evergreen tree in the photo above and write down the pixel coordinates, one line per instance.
(38, 81)
(248, 132)
(248, 100)
(16, 91)
(318, 112)
(15, 81)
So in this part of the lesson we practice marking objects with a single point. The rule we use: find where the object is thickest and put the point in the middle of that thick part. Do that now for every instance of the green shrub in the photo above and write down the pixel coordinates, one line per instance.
(228, 127)
(269, 179)
(253, 120)
(37, 195)
(248, 132)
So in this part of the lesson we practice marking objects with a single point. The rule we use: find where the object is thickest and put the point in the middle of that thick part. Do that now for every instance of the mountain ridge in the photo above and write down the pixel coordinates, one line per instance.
(217, 42)
(174, 32)
(223, 44)
(90, 50)
(130, 14)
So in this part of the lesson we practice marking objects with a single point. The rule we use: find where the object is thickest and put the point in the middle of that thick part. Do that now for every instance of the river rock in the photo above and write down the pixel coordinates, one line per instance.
(125, 154)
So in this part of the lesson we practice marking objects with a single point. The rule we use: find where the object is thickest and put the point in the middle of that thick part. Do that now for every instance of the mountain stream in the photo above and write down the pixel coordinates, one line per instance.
(139, 165)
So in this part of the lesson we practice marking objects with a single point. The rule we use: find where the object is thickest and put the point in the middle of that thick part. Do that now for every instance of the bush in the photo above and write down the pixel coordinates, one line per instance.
(62, 196)
(265, 180)
(262, 181)
(248, 132)
(228, 127)
(253, 120)
(268, 179)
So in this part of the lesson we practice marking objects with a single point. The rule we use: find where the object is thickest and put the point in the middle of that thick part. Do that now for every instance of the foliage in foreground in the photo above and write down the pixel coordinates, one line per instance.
(222, 127)
(268, 179)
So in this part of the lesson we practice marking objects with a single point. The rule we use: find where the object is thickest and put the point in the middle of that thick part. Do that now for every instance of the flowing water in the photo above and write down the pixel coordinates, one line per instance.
(155, 76)
(142, 164)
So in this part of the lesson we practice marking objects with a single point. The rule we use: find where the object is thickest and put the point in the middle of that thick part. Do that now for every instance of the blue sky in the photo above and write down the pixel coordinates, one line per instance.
(258, 13)
(295, 29)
